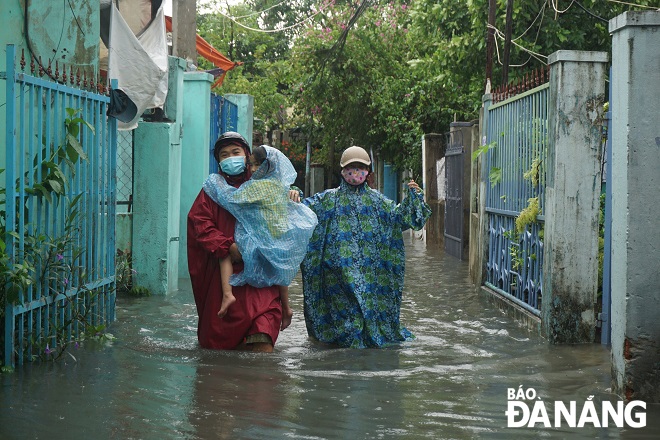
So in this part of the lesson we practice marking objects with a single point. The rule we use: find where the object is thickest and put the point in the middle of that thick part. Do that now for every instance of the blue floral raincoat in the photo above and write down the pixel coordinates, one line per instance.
(354, 268)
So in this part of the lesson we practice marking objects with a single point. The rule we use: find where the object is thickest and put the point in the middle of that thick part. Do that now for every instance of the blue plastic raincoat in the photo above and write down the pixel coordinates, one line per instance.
(272, 232)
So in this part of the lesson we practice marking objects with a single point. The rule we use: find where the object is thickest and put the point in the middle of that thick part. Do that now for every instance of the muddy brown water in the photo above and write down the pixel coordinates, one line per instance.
(154, 382)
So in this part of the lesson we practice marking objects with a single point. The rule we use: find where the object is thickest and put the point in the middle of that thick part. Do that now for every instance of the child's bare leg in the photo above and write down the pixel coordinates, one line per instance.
(287, 313)
(226, 269)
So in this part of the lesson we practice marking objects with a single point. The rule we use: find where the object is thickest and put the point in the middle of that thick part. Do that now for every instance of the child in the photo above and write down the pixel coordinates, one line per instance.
(271, 232)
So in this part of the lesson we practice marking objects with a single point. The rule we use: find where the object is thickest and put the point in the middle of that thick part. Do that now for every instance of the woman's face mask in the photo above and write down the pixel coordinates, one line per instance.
(233, 166)
(354, 175)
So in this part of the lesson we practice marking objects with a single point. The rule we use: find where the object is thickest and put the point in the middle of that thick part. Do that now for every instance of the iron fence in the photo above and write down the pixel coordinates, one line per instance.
(59, 219)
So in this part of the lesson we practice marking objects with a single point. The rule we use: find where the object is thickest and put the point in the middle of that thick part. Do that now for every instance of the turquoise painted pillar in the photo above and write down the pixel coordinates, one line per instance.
(156, 202)
(635, 205)
(157, 192)
(194, 150)
(245, 104)
(572, 198)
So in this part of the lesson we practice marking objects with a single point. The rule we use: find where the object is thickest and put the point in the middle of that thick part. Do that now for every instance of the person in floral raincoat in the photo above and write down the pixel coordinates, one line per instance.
(354, 267)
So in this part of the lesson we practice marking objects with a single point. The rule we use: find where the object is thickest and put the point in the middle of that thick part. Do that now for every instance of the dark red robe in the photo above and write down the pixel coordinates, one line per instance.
(210, 234)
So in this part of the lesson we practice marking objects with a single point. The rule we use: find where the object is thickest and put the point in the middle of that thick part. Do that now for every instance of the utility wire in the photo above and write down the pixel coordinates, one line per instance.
(634, 4)
(260, 12)
(540, 14)
(271, 30)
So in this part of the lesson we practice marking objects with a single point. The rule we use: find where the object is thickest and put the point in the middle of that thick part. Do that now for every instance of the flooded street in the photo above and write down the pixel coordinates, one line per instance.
(154, 382)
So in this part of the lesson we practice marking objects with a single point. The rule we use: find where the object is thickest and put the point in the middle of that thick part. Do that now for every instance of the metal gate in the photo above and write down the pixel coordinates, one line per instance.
(224, 117)
(454, 158)
(58, 263)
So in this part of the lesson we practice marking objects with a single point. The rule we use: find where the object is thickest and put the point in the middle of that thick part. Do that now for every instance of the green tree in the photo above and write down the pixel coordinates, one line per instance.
(355, 84)
(264, 71)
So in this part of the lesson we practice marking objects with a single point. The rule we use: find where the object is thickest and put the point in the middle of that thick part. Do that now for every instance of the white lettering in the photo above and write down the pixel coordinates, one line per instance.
(510, 393)
(568, 415)
(539, 414)
(530, 394)
(512, 412)
(521, 394)
(640, 422)
(588, 415)
(616, 415)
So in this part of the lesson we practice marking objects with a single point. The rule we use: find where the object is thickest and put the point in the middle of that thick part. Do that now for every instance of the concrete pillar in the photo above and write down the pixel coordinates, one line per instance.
(156, 201)
(156, 192)
(184, 29)
(433, 154)
(635, 205)
(478, 217)
(174, 102)
(570, 265)
(245, 104)
(195, 146)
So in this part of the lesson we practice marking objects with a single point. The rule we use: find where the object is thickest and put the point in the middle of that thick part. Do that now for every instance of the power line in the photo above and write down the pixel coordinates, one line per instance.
(634, 4)
(261, 12)
(591, 13)
(267, 31)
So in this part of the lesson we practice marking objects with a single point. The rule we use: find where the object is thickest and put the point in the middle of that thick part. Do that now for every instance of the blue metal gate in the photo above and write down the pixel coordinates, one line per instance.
(224, 117)
(514, 171)
(60, 222)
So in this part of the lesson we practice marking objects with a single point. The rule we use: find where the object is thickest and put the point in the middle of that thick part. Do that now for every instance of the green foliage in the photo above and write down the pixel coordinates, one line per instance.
(483, 150)
(534, 172)
(264, 72)
(528, 215)
(139, 291)
(495, 176)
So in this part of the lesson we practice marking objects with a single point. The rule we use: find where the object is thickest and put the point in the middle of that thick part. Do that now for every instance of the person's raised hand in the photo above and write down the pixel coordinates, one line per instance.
(294, 195)
(413, 185)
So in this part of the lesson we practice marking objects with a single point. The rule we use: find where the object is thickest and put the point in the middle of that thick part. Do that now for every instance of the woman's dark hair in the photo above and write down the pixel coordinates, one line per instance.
(259, 154)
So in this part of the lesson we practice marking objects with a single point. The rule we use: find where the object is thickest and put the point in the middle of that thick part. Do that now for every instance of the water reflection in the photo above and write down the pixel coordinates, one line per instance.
(449, 383)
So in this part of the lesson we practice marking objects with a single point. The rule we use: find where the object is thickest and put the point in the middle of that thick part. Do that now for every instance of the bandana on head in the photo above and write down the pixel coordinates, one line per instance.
(354, 176)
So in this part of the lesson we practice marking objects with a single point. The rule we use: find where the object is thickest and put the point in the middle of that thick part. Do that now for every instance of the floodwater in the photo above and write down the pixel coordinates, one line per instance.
(154, 382)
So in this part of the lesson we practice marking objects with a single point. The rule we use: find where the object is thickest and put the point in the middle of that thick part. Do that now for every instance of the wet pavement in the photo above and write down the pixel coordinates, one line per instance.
(154, 382)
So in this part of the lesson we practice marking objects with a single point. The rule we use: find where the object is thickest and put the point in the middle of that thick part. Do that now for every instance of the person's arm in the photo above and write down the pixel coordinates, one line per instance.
(202, 217)
(413, 211)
